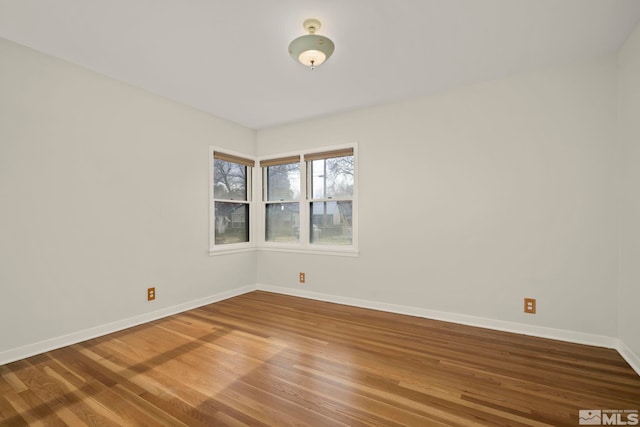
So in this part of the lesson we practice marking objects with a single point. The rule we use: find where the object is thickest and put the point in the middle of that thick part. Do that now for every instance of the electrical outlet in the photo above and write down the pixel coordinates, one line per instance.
(302, 278)
(530, 305)
(151, 294)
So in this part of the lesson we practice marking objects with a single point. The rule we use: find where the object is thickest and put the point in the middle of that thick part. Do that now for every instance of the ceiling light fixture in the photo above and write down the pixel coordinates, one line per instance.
(311, 50)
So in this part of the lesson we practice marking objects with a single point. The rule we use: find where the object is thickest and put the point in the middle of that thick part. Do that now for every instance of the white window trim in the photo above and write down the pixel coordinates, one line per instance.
(232, 247)
(257, 209)
(305, 246)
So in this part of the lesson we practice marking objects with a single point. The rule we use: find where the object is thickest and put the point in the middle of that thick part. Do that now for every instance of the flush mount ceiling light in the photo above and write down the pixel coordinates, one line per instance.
(311, 50)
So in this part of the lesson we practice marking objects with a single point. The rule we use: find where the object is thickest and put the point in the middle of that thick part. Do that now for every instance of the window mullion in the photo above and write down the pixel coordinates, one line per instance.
(304, 204)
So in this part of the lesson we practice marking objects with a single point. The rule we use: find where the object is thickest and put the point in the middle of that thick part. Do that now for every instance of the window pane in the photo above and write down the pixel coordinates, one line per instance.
(283, 222)
(283, 182)
(331, 223)
(332, 178)
(232, 222)
(229, 180)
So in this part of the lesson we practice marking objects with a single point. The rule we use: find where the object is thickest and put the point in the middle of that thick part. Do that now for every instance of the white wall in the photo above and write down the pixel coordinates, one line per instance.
(469, 201)
(474, 199)
(103, 193)
(629, 136)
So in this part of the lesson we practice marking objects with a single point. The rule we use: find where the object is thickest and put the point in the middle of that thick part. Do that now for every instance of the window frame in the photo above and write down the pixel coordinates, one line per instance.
(264, 192)
(218, 249)
(304, 245)
(257, 207)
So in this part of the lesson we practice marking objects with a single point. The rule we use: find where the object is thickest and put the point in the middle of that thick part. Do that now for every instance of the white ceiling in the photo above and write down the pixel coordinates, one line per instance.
(230, 58)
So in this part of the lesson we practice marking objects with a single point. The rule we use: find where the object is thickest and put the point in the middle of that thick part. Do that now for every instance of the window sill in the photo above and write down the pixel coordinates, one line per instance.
(328, 250)
(231, 250)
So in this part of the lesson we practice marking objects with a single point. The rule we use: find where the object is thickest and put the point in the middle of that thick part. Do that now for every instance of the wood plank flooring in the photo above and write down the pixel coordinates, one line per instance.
(263, 359)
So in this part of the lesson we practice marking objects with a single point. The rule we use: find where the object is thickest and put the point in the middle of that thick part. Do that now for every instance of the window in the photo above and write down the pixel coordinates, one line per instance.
(309, 201)
(231, 210)
(331, 184)
(281, 193)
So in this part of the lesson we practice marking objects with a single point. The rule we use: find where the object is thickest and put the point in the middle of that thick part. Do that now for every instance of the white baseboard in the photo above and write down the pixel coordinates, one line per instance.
(500, 325)
(632, 359)
(518, 328)
(19, 353)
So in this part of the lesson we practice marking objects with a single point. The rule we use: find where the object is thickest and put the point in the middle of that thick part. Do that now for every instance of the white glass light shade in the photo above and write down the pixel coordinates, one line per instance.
(312, 58)
(311, 50)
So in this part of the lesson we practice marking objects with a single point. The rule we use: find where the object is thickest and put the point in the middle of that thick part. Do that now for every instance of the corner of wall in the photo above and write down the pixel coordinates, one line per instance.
(628, 201)
(632, 359)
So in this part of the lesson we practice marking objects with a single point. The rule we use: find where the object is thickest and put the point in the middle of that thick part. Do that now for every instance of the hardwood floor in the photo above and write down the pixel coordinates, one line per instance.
(264, 359)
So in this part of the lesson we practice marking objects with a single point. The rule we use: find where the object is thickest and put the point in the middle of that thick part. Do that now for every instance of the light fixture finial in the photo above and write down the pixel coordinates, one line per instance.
(311, 25)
